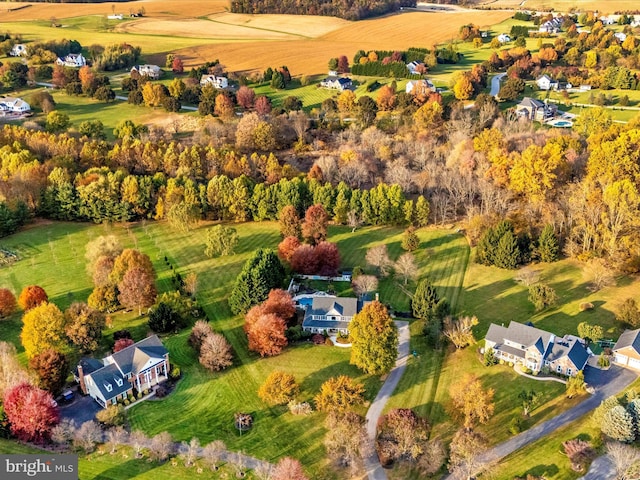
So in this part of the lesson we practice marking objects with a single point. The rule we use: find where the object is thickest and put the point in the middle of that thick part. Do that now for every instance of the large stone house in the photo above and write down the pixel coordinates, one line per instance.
(626, 351)
(331, 314)
(534, 348)
(536, 110)
(140, 366)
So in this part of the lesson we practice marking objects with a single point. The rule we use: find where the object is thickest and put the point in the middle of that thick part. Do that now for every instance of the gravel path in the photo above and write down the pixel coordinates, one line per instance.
(371, 462)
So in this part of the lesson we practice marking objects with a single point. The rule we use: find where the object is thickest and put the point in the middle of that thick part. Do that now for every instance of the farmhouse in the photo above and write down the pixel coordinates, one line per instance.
(551, 26)
(620, 36)
(331, 314)
(545, 82)
(504, 38)
(337, 83)
(138, 366)
(534, 348)
(420, 87)
(18, 50)
(151, 71)
(535, 109)
(13, 105)
(626, 351)
(217, 82)
(75, 60)
(415, 67)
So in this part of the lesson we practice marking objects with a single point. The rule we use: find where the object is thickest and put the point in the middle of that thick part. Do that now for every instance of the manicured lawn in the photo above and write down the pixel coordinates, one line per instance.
(10, 447)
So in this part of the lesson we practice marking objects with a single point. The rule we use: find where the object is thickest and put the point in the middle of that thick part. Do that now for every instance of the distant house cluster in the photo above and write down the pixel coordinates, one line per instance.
(216, 81)
(152, 71)
(337, 83)
(139, 366)
(13, 105)
(331, 314)
(73, 60)
(534, 348)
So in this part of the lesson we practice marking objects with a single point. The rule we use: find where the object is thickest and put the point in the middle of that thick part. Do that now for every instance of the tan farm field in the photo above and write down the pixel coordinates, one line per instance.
(310, 56)
(155, 8)
(604, 6)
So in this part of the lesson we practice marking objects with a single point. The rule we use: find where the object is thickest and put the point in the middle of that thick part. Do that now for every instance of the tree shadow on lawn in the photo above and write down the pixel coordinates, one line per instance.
(438, 241)
(126, 469)
(64, 300)
(546, 471)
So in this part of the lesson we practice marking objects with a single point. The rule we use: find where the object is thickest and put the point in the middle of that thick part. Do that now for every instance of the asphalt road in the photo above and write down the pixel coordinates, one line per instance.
(371, 462)
(495, 84)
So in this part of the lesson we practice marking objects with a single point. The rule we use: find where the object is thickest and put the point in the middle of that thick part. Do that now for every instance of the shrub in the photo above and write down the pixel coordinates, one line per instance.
(113, 415)
(161, 391)
(318, 339)
(302, 408)
(328, 342)
(126, 402)
(584, 306)
(515, 426)
(140, 395)
(175, 372)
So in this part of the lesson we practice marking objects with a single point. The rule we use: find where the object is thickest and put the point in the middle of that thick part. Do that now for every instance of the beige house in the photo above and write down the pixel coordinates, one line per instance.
(626, 351)
(534, 349)
(151, 71)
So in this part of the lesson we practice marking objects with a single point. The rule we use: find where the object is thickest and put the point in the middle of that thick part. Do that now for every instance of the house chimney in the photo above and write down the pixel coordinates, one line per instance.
(83, 386)
(377, 297)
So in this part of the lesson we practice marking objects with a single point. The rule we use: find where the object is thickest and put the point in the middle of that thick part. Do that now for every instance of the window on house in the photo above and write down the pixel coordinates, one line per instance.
(118, 382)
(559, 369)
(108, 387)
(569, 371)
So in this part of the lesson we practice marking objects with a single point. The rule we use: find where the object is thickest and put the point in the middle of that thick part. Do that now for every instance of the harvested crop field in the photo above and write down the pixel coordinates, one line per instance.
(12, 11)
(235, 26)
(415, 29)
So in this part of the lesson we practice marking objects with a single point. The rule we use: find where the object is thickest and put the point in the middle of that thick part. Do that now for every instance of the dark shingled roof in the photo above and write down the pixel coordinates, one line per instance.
(570, 348)
(630, 338)
(133, 358)
(107, 376)
(343, 306)
(89, 365)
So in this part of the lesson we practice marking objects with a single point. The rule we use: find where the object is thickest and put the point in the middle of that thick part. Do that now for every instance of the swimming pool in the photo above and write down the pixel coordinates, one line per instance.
(562, 124)
(305, 301)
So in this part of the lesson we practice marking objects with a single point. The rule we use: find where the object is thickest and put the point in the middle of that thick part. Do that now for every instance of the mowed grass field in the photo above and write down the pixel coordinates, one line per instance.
(203, 404)
(604, 6)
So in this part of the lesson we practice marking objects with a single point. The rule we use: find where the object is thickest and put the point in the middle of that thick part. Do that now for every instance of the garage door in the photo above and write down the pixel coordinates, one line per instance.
(621, 359)
(633, 363)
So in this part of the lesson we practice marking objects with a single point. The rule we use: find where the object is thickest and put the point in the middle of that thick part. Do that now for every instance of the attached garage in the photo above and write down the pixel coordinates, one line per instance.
(626, 351)
(635, 364)
(621, 359)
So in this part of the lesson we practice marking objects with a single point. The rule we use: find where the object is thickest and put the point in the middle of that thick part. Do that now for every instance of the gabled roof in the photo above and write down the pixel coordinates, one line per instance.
(348, 306)
(531, 103)
(571, 348)
(528, 336)
(89, 365)
(133, 358)
(110, 376)
(630, 338)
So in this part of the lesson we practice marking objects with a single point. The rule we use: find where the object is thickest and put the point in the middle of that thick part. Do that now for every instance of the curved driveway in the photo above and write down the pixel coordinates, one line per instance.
(371, 462)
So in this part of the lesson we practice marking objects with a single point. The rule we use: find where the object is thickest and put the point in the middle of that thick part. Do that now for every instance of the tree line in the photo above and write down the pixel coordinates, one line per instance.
(347, 9)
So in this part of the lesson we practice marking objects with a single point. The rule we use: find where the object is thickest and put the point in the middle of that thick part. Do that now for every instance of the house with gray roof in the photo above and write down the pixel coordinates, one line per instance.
(534, 348)
(534, 109)
(139, 366)
(626, 351)
(331, 314)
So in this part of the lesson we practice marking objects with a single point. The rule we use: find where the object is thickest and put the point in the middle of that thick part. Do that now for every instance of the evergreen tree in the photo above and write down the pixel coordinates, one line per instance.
(410, 240)
(507, 252)
(618, 424)
(548, 245)
(278, 81)
(422, 210)
(374, 339)
(424, 300)
(261, 273)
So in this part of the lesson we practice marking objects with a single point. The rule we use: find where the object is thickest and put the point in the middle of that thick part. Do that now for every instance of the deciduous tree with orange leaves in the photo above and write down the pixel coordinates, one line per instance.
(31, 297)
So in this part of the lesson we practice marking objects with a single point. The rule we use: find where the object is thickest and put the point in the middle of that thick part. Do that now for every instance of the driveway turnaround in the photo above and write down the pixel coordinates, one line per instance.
(371, 461)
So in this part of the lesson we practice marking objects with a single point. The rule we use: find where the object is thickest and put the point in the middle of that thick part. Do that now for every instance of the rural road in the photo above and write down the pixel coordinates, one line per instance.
(601, 469)
(495, 84)
(371, 462)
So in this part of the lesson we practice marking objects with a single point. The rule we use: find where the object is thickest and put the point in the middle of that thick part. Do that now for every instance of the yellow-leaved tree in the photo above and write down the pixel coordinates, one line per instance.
(43, 329)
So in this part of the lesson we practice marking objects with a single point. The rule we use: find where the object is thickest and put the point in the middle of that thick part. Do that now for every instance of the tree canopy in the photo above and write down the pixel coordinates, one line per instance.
(374, 339)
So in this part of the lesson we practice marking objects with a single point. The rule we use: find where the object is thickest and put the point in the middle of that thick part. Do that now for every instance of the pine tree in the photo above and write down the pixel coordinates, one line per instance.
(507, 253)
(618, 424)
(422, 210)
(410, 240)
(424, 300)
(374, 339)
(261, 273)
(548, 245)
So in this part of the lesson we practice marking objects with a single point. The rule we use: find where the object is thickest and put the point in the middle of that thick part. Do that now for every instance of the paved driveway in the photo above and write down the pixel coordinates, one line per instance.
(81, 409)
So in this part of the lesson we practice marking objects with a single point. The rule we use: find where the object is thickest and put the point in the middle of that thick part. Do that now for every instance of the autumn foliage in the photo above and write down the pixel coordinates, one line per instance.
(7, 302)
(287, 248)
(321, 259)
(279, 388)
(52, 368)
(266, 336)
(31, 412)
(314, 227)
(44, 328)
(122, 343)
(288, 469)
(31, 297)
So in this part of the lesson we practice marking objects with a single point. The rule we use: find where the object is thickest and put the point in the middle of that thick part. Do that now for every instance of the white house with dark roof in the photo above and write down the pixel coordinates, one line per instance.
(626, 351)
(151, 71)
(420, 87)
(331, 314)
(18, 50)
(414, 67)
(337, 83)
(74, 60)
(534, 348)
(140, 366)
(217, 82)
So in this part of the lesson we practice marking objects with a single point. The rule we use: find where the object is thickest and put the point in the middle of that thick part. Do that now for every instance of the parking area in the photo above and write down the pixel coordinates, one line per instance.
(81, 409)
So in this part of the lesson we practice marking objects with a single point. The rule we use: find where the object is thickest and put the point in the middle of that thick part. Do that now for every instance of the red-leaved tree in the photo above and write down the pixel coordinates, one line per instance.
(137, 289)
(343, 64)
(314, 228)
(121, 344)
(177, 66)
(262, 105)
(304, 260)
(31, 297)
(52, 369)
(245, 97)
(266, 336)
(328, 258)
(7, 302)
(31, 412)
(279, 302)
(287, 247)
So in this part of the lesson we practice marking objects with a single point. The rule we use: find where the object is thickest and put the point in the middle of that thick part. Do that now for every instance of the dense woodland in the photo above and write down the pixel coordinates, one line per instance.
(347, 9)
